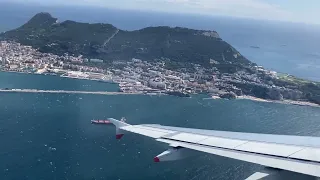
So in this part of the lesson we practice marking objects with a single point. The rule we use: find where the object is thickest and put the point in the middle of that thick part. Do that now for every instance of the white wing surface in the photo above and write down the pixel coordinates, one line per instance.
(300, 154)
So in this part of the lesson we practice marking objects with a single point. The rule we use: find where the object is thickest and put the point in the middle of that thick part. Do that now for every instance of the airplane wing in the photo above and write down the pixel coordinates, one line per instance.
(300, 154)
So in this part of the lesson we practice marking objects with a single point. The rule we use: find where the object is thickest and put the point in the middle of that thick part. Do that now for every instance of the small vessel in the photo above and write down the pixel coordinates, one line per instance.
(255, 47)
(123, 119)
(100, 122)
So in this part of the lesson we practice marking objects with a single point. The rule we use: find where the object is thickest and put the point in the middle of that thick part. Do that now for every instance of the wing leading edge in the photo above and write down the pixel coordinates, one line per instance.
(299, 154)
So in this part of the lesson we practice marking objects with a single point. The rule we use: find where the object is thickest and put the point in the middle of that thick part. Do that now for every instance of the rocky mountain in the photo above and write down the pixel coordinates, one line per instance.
(104, 41)
(179, 47)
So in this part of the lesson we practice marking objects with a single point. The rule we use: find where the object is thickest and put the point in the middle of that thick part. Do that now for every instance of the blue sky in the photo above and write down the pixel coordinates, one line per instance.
(306, 11)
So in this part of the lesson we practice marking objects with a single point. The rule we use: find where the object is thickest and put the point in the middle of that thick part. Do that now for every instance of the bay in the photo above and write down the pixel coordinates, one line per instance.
(49, 136)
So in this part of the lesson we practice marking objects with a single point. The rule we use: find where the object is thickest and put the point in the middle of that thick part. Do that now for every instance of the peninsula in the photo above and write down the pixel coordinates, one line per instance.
(149, 60)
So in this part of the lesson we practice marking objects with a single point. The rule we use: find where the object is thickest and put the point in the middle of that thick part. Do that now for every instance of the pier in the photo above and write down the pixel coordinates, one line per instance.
(65, 92)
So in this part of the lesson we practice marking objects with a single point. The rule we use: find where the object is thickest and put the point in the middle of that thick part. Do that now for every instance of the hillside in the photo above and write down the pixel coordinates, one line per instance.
(179, 47)
(104, 41)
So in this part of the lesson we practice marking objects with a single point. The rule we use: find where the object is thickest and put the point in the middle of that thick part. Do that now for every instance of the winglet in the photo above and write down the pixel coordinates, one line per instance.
(118, 124)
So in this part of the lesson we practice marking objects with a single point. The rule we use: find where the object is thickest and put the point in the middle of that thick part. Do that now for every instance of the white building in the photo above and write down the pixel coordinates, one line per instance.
(157, 84)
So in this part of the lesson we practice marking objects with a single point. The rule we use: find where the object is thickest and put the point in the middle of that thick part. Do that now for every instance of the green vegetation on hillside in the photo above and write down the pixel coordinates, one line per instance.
(106, 42)
(43, 32)
(180, 48)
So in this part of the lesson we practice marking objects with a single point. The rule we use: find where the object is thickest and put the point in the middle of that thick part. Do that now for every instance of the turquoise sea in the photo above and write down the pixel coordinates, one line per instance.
(49, 136)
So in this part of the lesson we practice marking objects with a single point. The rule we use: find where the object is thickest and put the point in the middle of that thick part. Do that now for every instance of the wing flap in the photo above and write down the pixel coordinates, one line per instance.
(240, 145)
(147, 131)
(222, 142)
(311, 154)
(304, 167)
(269, 148)
(194, 138)
(265, 148)
(154, 129)
(306, 141)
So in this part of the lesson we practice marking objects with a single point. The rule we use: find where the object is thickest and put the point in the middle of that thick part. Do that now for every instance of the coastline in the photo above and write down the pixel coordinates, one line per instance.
(256, 99)
(58, 75)
(244, 97)
(98, 80)
(66, 92)
(285, 101)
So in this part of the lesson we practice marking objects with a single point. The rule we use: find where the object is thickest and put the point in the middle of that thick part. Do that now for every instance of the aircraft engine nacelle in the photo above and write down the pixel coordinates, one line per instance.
(174, 153)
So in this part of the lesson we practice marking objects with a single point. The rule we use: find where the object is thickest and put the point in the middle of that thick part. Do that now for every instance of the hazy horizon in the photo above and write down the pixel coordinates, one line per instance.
(27, 11)
(276, 10)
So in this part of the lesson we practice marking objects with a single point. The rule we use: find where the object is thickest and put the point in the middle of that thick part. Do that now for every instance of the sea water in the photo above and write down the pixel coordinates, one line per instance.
(49, 136)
